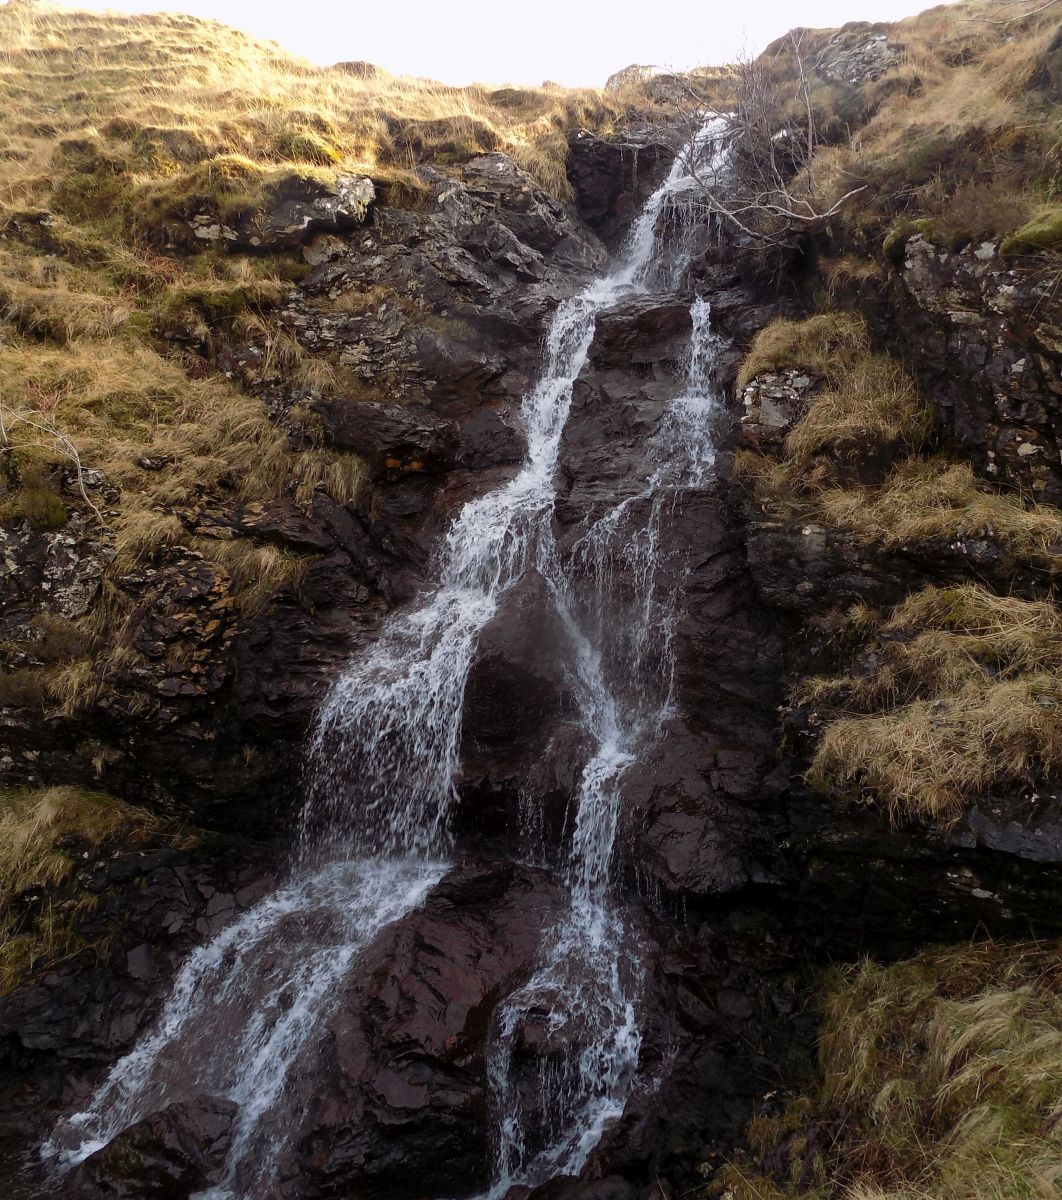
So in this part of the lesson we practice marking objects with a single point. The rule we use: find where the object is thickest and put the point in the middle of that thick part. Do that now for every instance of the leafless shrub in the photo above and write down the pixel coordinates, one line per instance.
(765, 185)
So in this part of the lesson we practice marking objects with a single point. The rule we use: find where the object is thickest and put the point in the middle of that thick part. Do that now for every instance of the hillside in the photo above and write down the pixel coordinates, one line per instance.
(674, 617)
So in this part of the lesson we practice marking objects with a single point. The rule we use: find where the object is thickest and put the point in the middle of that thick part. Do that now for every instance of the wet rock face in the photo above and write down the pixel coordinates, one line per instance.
(613, 179)
(748, 873)
(518, 684)
(401, 1106)
(984, 338)
(208, 721)
(60, 1032)
(166, 1156)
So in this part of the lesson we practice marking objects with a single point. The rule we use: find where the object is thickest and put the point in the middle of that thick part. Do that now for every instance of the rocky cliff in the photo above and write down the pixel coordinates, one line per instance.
(867, 606)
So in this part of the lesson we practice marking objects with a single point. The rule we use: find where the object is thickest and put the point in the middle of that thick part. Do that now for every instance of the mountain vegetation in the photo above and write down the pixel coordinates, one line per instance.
(262, 324)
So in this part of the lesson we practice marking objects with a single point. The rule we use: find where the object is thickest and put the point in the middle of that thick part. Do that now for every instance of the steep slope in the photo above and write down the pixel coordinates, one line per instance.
(162, 383)
(268, 328)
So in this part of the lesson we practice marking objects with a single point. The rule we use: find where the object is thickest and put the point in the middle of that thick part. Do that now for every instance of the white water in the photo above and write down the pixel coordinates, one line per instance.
(582, 1000)
(249, 1008)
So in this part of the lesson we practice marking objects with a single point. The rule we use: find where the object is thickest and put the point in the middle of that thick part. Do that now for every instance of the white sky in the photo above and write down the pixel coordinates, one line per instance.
(495, 41)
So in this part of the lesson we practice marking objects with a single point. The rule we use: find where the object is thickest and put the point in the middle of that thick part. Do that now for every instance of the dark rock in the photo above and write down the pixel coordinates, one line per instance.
(168, 1155)
(613, 1187)
(984, 339)
(55, 571)
(773, 404)
(518, 683)
(396, 440)
(1029, 829)
(811, 567)
(299, 207)
(860, 53)
(402, 1105)
(688, 835)
(900, 889)
(529, 213)
(640, 333)
(613, 179)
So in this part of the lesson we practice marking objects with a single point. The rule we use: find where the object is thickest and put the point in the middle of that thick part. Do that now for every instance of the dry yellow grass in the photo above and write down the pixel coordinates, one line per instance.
(932, 499)
(965, 130)
(873, 401)
(115, 123)
(940, 1081)
(33, 826)
(825, 345)
(848, 271)
(122, 402)
(42, 835)
(965, 695)
(166, 94)
(930, 758)
(863, 397)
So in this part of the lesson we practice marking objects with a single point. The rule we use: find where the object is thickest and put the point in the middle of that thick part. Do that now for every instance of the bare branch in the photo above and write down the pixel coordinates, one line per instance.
(44, 424)
(1018, 16)
(768, 189)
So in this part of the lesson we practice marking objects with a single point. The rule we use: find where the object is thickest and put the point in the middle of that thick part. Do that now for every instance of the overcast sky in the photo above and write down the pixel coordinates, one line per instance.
(495, 41)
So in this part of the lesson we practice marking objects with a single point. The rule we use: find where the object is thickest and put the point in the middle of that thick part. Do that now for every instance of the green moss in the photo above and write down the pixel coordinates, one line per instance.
(162, 147)
(227, 185)
(1043, 232)
(92, 184)
(306, 146)
(42, 508)
(900, 234)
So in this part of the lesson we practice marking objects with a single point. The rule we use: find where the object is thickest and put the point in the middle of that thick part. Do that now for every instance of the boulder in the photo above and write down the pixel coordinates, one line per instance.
(395, 439)
(299, 207)
(612, 179)
(858, 54)
(166, 1156)
(400, 1107)
(519, 684)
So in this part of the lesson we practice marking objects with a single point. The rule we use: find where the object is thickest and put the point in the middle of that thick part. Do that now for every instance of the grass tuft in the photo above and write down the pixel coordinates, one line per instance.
(939, 1081)
(964, 695)
(41, 831)
(822, 345)
(44, 835)
(873, 403)
(931, 499)
(866, 402)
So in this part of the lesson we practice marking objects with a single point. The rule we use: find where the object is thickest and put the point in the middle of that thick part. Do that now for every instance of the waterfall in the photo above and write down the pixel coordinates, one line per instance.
(583, 996)
(248, 1007)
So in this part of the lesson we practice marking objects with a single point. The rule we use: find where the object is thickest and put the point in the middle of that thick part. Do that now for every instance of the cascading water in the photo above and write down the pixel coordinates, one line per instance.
(247, 1009)
(582, 998)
